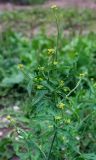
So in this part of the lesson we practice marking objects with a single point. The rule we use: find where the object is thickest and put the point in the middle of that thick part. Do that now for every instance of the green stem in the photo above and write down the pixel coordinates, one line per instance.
(52, 145)
(57, 42)
(73, 89)
(43, 154)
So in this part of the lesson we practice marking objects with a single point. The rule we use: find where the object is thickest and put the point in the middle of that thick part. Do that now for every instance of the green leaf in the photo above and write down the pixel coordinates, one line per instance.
(14, 79)
(89, 156)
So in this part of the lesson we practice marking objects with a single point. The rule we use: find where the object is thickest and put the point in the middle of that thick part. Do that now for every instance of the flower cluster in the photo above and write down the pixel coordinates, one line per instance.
(61, 105)
(9, 118)
(54, 7)
(61, 83)
(82, 75)
(20, 66)
(39, 87)
(51, 51)
(58, 118)
(41, 68)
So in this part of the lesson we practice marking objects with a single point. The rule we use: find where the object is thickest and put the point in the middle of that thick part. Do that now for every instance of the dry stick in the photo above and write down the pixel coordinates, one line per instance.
(52, 145)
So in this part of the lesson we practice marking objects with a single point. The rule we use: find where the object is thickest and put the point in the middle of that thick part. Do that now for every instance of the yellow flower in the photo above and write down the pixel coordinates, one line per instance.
(39, 86)
(40, 79)
(51, 51)
(55, 62)
(61, 105)
(67, 121)
(9, 117)
(61, 83)
(54, 7)
(41, 68)
(58, 117)
(20, 66)
(83, 75)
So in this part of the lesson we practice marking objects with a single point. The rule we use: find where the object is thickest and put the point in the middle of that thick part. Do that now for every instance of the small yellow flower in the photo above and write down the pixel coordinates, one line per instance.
(41, 68)
(51, 51)
(83, 74)
(55, 63)
(39, 86)
(58, 117)
(20, 66)
(54, 7)
(9, 117)
(40, 79)
(61, 105)
(61, 83)
(67, 121)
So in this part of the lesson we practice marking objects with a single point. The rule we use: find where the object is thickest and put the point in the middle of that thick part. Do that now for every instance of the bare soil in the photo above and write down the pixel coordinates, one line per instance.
(61, 3)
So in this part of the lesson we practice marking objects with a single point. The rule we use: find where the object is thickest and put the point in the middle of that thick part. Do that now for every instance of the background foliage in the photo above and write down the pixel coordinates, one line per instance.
(25, 2)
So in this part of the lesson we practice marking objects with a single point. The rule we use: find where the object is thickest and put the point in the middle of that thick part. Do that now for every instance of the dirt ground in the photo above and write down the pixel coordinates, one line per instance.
(61, 3)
